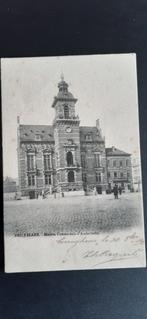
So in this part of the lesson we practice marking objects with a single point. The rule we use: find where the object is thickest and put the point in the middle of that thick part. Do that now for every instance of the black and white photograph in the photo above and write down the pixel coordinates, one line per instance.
(72, 182)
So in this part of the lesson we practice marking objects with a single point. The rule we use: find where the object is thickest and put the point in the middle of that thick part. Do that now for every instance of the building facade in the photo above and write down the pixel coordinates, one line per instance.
(65, 157)
(119, 168)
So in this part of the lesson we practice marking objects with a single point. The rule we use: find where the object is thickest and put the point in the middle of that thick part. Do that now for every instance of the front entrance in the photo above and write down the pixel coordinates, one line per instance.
(32, 194)
(99, 189)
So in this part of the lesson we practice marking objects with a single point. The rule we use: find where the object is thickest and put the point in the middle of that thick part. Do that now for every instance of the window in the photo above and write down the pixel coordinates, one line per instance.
(115, 174)
(108, 174)
(47, 162)
(83, 160)
(66, 111)
(58, 177)
(127, 162)
(120, 163)
(70, 141)
(30, 162)
(114, 163)
(128, 175)
(38, 137)
(84, 177)
(121, 175)
(71, 177)
(31, 180)
(48, 180)
(89, 137)
(108, 163)
(69, 158)
(97, 160)
(98, 177)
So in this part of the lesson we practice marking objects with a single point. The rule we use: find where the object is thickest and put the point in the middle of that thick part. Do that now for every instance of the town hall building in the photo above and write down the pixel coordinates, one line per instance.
(66, 157)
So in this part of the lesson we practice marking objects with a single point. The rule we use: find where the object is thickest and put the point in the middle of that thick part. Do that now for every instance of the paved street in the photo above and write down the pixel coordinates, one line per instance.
(72, 215)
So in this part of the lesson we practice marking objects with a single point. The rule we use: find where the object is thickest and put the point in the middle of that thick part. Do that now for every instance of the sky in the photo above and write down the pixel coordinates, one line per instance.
(105, 86)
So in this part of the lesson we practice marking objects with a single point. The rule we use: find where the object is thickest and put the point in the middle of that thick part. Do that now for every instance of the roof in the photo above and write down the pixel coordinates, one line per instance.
(63, 96)
(45, 133)
(36, 132)
(113, 151)
(90, 130)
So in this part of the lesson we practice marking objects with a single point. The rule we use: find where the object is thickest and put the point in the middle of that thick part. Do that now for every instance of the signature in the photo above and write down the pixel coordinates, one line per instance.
(95, 248)
(111, 256)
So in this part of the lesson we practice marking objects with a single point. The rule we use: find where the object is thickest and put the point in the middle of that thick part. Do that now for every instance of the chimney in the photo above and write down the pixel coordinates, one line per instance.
(18, 119)
(98, 127)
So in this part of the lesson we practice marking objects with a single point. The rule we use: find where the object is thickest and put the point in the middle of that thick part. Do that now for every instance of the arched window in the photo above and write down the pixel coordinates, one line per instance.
(71, 177)
(69, 158)
(66, 111)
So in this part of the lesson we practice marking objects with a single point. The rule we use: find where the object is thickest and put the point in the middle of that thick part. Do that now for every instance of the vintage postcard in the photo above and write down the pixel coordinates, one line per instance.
(73, 195)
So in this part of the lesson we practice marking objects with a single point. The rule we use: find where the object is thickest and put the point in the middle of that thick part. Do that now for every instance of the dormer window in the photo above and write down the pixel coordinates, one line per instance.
(89, 137)
(38, 137)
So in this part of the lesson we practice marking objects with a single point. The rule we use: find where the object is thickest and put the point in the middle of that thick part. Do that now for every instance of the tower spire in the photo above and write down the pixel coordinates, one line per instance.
(62, 76)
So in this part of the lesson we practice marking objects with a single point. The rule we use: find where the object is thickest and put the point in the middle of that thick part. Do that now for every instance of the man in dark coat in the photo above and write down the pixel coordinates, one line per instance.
(115, 191)
(120, 190)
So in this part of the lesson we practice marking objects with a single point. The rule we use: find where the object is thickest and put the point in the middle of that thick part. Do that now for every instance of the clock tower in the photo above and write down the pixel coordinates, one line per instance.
(67, 141)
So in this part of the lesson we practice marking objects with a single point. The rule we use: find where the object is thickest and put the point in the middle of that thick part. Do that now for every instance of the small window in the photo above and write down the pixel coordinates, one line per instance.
(97, 159)
(38, 137)
(108, 174)
(115, 174)
(48, 180)
(89, 137)
(98, 177)
(128, 175)
(114, 163)
(71, 177)
(47, 162)
(70, 141)
(31, 180)
(127, 162)
(69, 158)
(66, 111)
(120, 163)
(30, 162)
(83, 160)
(121, 175)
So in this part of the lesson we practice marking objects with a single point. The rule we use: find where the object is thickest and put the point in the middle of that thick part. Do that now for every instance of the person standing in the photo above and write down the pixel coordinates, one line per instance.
(120, 190)
(115, 191)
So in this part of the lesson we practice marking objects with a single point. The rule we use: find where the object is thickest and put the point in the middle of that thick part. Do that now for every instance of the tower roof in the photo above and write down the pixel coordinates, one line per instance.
(63, 93)
(62, 84)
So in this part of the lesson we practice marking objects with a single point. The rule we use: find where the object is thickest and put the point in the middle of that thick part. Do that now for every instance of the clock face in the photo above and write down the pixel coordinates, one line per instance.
(68, 129)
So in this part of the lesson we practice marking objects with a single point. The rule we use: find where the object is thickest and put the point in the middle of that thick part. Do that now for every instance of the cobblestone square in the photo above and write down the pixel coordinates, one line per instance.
(72, 215)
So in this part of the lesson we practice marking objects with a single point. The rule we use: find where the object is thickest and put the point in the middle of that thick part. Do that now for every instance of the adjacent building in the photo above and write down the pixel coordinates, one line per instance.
(66, 157)
(119, 168)
(9, 188)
